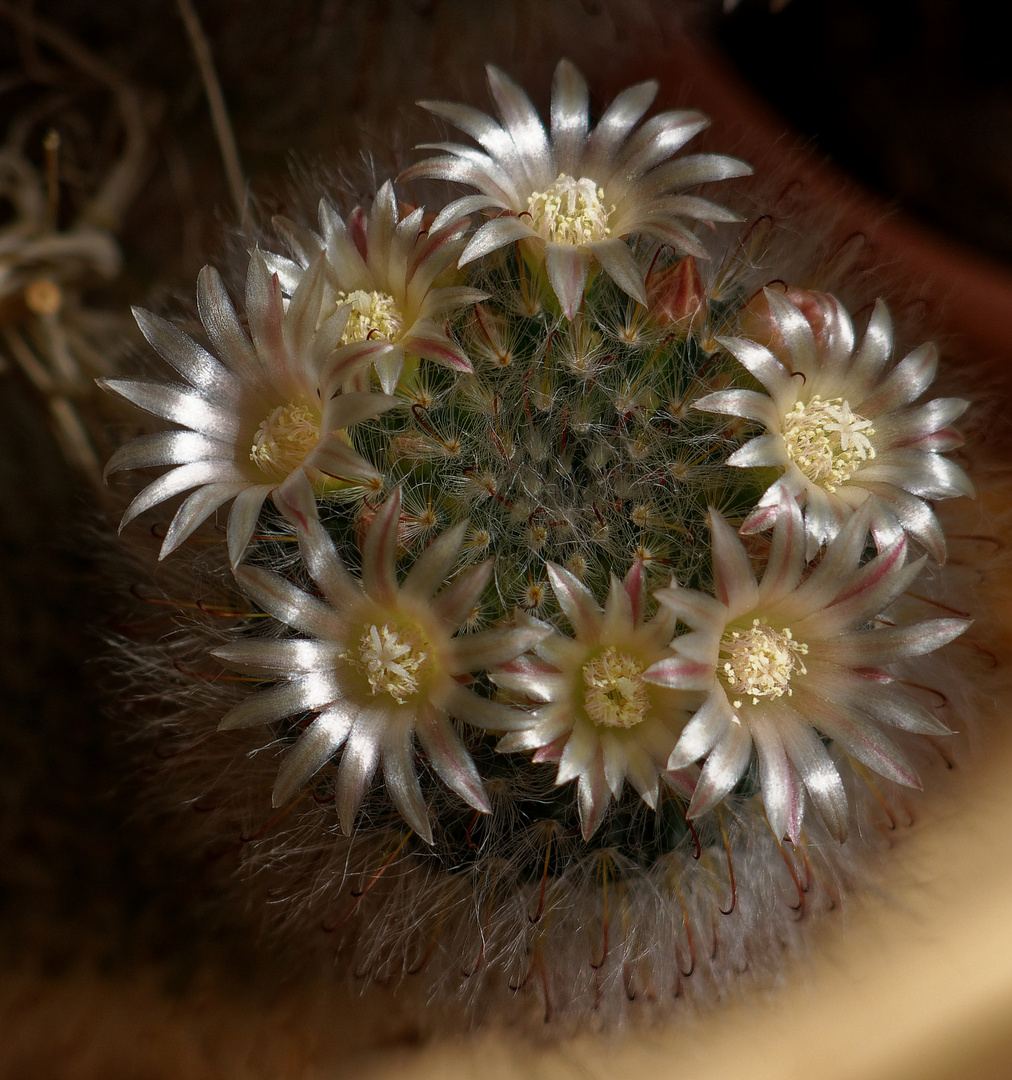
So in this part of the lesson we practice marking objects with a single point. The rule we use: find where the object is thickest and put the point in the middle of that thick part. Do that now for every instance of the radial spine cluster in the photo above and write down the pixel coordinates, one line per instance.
(562, 570)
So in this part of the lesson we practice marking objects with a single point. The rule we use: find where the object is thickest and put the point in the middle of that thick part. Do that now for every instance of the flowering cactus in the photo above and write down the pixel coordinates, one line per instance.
(548, 686)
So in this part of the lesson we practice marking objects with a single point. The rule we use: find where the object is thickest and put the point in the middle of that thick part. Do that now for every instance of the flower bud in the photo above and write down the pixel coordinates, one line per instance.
(758, 323)
(677, 298)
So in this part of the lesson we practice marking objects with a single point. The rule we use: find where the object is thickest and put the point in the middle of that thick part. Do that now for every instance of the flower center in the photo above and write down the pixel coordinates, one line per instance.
(827, 440)
(371, 313)
(285, 438)
(761, 660)
(570, 211)
(391, 659)
(615, 695)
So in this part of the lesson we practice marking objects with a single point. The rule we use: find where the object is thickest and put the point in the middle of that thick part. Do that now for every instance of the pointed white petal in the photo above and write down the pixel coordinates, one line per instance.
(242, 520)
(311, 752)
(456, 602)
(619, 118)
(169, 448)
(570, 108)
(288, 603)
(795, 330)
(301, 694)
(179, 404)
(619, 263)
(821, 779)
(433, 565)
(495, 234)
(271, 658)
(781, 791)
(218, 315)
(734, 582)
(593, 797)
(702, 732)
(380, 551)
(576, 601)
(401, 781)
(358, 764)
(761, 363)
(200, 369)
(745, 403)
(180, 479)
(724, 767)
(449, 757)
(567, 266)
(525, 128)
(195, 510)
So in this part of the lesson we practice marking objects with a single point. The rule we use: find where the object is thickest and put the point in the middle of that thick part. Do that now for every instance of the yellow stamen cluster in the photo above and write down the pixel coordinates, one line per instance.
(761, 660)
(391, 660)
(615, 695)
(373, 313)
(285, 438)
(827, 440)
(570, 211)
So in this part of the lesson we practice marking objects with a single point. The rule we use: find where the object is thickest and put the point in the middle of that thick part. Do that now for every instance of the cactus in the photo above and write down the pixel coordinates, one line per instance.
(571, 568)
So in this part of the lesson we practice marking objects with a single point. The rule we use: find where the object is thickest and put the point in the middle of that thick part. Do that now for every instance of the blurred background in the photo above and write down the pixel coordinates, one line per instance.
(106, 929)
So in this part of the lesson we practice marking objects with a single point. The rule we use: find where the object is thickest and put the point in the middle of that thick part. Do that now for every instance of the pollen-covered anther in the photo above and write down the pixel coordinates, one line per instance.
(391, 660)
(285, 438)
(373, 313)
(615, 695)
(570, 211)
(827, 440)
(761, 660)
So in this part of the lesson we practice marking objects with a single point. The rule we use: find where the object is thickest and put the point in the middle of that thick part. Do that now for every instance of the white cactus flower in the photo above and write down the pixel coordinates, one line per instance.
(264, 417)
(380, 666)
(574, 194)
(793, 662)
(599, 718)
(843, 430)
(383, 270)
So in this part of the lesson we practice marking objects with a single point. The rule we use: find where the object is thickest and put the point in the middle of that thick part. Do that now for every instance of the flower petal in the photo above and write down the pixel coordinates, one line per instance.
(271, 659)
(724, 767)
(401, 780)
(745, 403)
(760, 362)
(734, 583)
(810, 757)
(380, 549)
(570, 108)
(534, 153)
(493, 235)
(219, 318)
(618, 119)
(181, 478)
(300, 694)
(567, 266)
(314, 748)
(795, 330)
(577, 602)
(701, 733)
(782, 794)
(288, 603)
(449, 757)
(179, 404)
(201, 370)
(242, 520)
(358, 764)
(593, 796)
